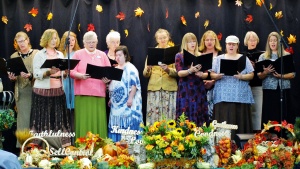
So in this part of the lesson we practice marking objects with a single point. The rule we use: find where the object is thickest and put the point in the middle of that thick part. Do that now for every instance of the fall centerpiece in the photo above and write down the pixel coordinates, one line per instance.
(174, 143)
(7, 119)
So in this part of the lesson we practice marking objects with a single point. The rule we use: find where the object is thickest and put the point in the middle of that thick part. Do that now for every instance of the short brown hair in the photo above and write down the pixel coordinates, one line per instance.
(124, 49)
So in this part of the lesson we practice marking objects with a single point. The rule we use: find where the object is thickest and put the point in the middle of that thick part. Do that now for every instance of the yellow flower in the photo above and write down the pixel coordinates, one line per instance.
(157, 137)
(181, 147)
(151, 129)
(174, 143)
(156, 125)
(149, 147)
(168, 151)
(161, 143)
(171, 124)
(178, 132)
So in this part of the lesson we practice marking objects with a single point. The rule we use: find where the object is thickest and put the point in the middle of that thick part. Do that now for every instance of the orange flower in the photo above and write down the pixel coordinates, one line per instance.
(168, 151)
(181, 147)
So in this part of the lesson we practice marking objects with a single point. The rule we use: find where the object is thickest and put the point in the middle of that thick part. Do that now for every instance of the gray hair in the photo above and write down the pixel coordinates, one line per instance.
(89, 35)
(113, 35)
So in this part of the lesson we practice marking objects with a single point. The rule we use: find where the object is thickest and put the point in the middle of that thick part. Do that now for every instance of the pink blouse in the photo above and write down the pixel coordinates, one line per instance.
(90, 86)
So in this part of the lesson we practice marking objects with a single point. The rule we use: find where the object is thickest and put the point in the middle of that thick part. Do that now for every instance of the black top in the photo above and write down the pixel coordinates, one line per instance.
(255, 81)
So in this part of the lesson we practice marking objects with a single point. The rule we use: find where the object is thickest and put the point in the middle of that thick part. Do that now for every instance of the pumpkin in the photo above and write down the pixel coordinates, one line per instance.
(110, 149)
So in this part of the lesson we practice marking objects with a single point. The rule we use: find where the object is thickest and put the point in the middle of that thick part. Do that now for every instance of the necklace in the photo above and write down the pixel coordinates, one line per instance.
(25, 55)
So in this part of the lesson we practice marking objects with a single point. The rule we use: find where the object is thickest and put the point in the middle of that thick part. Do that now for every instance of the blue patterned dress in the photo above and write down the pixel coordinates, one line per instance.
(122, 117)
(191, 95)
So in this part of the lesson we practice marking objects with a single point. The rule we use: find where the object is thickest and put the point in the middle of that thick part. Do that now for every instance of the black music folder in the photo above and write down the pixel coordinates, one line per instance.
(16, 65)
(98, 72)
(288, 64)
(204, 60)
(3, 70)
(163, 55)
(62, 64)
(231, 67)
(254, 56)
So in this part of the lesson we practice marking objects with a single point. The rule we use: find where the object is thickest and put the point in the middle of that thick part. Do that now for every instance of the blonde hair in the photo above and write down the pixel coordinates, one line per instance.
(63, 42)
(47, 37)
(280, 52)
(202, 47)
(22, 34)
(186, 38)
(247, 37)
(160, 30)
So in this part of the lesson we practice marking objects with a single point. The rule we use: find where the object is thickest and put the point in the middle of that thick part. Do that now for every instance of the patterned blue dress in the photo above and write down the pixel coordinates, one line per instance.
(191, 95)
(124, 119)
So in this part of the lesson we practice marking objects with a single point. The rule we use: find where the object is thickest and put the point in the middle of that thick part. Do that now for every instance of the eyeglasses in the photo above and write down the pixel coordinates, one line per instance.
(231, 44)
(91, 42)
(211, 40)
(273, 40)
(21, 41)
(192, 42)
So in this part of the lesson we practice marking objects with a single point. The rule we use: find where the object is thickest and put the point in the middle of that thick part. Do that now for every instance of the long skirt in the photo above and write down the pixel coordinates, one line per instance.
(234, 113)
(160, 104)
(48, 112)
(256, 108)
(90, 115)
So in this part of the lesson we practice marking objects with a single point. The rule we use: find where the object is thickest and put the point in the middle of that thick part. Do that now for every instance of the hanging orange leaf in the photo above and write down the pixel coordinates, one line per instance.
(170, 43)
(219, 36)
(206, 23)
(260, 2)
(50, 16)
(121, 16)
(34, 12)
(138, 12)
(4, 19)
(28, 27)
(238, 3)
(148, 27)
(290, 50)
(167, 13)
(91, 27)
(126, 32)
(219, 3)
(78, 27)
(197, 14)
(292, 39)
(99, 8)
(249, 18)
(278, 14)
(183, 21)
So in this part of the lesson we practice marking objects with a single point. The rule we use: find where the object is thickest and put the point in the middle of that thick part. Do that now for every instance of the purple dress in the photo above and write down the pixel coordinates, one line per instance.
(191, 95)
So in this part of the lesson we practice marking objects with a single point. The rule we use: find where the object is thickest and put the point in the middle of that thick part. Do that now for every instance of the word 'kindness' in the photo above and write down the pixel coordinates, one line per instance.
(51, 133)
(116, 129)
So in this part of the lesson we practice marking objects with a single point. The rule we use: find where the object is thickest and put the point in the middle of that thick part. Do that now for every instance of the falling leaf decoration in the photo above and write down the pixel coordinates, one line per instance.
(138, 12)
(171, 44)
(28, 27)
(78, 27)
(206, 23)
(148, 27)
(121, 16)
(238, 3)
(4, 19)
(126, 32)
(33, 12)
(219, 36)
(290, 50)
(281, 33)
(197, 14)
(219, 3)
(167, 13)
(99, 8)
(50, 16)
(183, 21)
(271, 6)
(260, 2)
(91, 27)
(291, 39)
(249, 18)
(278, 14)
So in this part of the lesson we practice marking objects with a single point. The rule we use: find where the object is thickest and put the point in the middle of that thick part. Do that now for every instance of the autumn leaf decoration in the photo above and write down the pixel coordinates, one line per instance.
(183, 21)
(278, 14)
(15, 45)
(238, 3)
(121, 16)
(4, 19)
(249, 18)
(126, 32)
(167, 13)
(197, 14)
(28, 27)
(99, 8)
(33, 12)
(206, 23)
(290, 50)
(91, 27)
(260, 2)
(50, 16)
(219, 36)
(78, 27)
(138, 12)
(291, 39)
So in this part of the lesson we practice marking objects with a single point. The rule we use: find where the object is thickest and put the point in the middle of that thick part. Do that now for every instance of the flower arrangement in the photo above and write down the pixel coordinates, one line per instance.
(7, 119)
(168, 139)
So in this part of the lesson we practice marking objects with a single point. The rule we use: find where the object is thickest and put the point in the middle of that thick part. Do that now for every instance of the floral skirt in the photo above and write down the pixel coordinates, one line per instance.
(160, 104)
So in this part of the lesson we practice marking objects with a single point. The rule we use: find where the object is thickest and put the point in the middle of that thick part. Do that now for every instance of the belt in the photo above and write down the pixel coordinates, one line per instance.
(55, 77)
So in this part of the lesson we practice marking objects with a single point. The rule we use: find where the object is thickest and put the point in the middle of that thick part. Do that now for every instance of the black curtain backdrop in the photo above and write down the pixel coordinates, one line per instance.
(226, 19)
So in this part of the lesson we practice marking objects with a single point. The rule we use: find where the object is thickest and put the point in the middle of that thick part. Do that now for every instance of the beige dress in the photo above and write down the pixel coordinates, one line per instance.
(23, 92)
